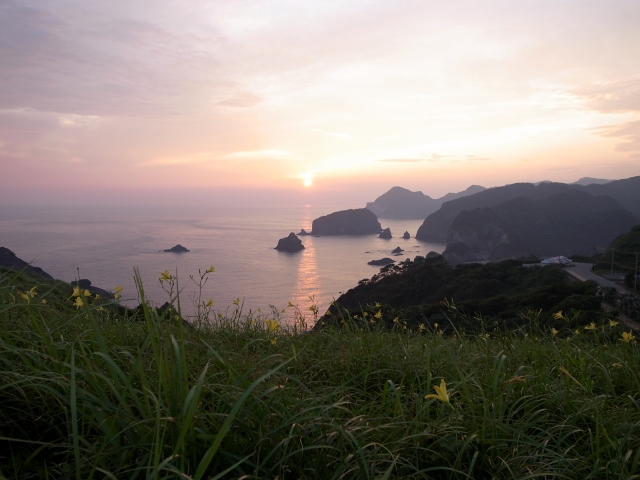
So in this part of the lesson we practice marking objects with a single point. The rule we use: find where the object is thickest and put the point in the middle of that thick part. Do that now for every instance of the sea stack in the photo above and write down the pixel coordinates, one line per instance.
(303, 232)
(290, 244)
(358, 221)
(406, 236)
(397, 250)
(386, 234)
(177, 249)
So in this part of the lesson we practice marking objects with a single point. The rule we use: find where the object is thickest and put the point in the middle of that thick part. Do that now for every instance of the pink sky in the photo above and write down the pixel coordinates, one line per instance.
(141, 100)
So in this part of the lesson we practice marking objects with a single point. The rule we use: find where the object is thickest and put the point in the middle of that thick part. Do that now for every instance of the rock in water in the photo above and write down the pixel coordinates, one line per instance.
(406, 236)
(177, 249)
(359, 221)
(290, 244)
(397, 250)
(382, 261)
(303, 232)
(386, 234)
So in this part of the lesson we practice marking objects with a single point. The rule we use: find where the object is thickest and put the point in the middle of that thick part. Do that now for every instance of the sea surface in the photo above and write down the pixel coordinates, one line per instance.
(105, 244)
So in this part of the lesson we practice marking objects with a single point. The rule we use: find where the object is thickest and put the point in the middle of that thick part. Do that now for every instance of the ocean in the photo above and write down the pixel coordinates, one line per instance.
(105, 244)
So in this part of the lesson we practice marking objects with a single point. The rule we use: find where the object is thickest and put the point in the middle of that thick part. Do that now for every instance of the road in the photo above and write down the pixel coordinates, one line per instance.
(582, 272)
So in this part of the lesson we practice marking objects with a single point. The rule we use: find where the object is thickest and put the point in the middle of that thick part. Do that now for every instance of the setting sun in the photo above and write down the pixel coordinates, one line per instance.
(307, 182)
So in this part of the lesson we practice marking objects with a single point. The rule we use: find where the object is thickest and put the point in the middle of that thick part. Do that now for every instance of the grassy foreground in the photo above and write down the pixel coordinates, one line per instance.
(86, 393)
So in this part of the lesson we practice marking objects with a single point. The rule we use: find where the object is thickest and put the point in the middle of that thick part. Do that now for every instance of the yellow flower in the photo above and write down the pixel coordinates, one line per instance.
(627, 337)
(33, 292)
(356, 317)
(211, 269)
(422, 327)
(378, 315)
(118, 289)
(43, 301)
(558, 315)
(313, 308)
(441, 393)
(554, 331)
(274, 340)
(617, 365)
(76, 291)
(272, 325)
(86, 293)
(612, 323)
(25, 296)
(395, 320)
(435, 325)
(97, 297)
(165, 276)
(366, 314)
(101, 309)
(577, 331)
(78, 303)
(377, 305)
(591, 326)
(290, 304)
(210, 303)
(236, 301)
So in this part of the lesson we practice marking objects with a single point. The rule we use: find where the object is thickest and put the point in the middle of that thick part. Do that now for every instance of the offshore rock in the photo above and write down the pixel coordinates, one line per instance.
(177, 249)
(290, 244)
(382, 261)
(303, 232)
(397, 250)
(386, 234)
(406, 236)
(359, 221)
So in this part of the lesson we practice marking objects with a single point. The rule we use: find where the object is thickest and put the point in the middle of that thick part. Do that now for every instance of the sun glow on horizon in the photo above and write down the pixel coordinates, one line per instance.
(307, 182)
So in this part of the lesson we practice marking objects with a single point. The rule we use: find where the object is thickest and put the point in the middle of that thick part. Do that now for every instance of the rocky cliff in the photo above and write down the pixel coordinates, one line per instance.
(358, 221)
(567, 223)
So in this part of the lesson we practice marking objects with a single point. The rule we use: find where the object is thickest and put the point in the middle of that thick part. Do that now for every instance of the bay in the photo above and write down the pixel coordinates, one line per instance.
(105, 244)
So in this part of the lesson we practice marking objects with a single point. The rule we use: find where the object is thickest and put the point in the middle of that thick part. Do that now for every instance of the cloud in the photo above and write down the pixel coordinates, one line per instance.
(253, 154)
(628, 132)
(241, 99)
(434, 157)
(473, 158)
(401, 160)
(620, 96)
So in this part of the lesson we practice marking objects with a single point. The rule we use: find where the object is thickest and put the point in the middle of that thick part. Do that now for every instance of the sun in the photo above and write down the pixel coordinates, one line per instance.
(307, 182)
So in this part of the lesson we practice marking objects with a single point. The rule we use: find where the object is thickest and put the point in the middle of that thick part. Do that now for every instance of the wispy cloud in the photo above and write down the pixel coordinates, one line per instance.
(628, 132)
(473, 158)
(401, 160)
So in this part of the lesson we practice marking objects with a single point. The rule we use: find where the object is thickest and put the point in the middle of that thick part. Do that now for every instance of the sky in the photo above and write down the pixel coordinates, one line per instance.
(229, 100)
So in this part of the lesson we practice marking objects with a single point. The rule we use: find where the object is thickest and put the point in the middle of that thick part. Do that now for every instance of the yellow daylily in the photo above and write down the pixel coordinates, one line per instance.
(43, 301)
(33, 292)
(612, 323)
(558, 315)
(554, 331)
(78, 303)
(274, 340)
(290, 304)
(577, 331)
(272, 325)
(377, 305)
(76, 291)
(165, 276)
(210, 303)
(86, 293)
(236, 301)
(627, 337)
(617, 365)
(441, 393)
(25, 297)
(396, 320)
(211, 269)
(435, 325)
(378, 315)
(97, 297)
(313, 308)
(591, 326)
(422, 327)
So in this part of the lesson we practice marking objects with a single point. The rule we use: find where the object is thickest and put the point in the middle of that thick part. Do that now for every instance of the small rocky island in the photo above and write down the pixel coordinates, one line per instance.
(176, 249)
(290, 244)
(303, 232)
(386, 234)
(397, 250)
(359, 221)
(406, 235)
(381, 262)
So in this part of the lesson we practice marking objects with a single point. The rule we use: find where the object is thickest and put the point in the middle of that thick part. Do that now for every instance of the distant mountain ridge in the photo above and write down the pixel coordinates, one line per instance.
(436, 226)
(401, 203)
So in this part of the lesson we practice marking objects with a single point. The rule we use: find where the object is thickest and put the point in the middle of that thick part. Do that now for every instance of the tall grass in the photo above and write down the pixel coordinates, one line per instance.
(87, 393)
